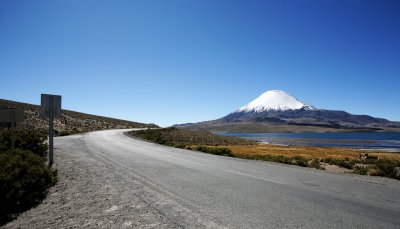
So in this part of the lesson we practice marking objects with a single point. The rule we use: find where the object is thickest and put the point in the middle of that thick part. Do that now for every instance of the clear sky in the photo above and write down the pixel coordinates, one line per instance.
(168, 62)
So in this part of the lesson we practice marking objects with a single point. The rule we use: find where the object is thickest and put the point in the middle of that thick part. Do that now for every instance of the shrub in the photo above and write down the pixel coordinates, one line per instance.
(314, 163)
(27, 140)
(375, 172)
(300, 161)
(348, 164)
(280, 159)
(223, 151)
(24, 179)
(327, 160)
(151, 135)
(361, 170)
(180, 146)
(387, 167)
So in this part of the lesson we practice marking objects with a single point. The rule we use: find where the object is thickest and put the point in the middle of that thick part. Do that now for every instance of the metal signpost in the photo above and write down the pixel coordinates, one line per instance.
(50, 108)
(9, 118)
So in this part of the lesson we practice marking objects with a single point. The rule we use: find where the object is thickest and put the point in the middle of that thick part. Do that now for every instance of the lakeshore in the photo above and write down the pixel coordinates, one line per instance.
(384, 142)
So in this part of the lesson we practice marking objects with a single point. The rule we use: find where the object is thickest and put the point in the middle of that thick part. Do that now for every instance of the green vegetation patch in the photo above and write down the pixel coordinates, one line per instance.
(297, 160)
(382, 167)
(24, 175)
(216, 150)
(25, 139)
(181, 138)
(315, 163)
(344, 163)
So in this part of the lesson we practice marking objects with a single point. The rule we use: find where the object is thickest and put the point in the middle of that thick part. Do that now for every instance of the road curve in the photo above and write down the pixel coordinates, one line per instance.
(187, 189)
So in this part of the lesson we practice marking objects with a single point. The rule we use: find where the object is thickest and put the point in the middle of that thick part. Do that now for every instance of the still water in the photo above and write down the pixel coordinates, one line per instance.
(387, 141)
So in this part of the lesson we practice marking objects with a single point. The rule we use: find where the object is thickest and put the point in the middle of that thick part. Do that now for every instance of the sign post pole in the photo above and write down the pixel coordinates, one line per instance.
(51, 119)
(13, 130)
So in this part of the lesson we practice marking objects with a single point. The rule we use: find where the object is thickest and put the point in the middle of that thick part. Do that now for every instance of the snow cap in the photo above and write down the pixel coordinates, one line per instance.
(275, 100)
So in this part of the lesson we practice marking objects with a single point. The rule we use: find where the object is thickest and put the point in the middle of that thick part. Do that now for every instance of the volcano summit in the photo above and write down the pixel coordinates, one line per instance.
(278, 111)
(275, 100)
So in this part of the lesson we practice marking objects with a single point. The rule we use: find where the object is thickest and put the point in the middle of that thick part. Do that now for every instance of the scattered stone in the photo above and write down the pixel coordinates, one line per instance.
(71, 122)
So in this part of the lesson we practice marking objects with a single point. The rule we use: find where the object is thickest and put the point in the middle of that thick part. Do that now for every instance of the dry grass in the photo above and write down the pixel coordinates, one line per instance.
(345, 158)
(306, 152)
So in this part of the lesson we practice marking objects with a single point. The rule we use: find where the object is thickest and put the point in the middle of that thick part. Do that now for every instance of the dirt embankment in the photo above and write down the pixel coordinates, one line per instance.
(71, 122)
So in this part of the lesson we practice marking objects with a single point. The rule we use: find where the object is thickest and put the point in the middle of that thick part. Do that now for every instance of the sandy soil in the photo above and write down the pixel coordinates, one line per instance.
(334, 168)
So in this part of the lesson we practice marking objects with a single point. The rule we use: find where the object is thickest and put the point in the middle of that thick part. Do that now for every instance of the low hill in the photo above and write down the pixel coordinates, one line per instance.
(71, 122)
(175, 137)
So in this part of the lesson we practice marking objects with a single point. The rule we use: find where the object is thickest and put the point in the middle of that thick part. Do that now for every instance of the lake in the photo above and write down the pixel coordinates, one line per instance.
(362, 140)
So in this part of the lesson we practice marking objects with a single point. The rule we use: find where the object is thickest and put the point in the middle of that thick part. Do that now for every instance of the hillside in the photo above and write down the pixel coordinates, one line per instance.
(71, 122)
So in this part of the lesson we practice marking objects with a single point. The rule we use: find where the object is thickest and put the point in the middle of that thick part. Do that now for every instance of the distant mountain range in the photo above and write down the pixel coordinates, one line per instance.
(277, 111)
(70, 122)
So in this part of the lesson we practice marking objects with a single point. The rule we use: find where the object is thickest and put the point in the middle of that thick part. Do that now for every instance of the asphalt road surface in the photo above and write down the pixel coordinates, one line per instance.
(177, 188)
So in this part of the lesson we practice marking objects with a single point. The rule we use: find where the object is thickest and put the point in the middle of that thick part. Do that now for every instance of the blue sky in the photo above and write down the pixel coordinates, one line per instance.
(170, 62)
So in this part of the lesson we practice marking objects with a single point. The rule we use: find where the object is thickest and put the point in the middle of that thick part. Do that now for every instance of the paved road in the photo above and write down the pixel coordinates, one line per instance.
(191, 189)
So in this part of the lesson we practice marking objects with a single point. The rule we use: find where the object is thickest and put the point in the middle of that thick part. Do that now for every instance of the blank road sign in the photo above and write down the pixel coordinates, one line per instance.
(11, 115)
(45, 105)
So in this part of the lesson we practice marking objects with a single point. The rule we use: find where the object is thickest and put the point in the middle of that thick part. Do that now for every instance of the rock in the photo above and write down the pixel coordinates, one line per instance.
(396, 172)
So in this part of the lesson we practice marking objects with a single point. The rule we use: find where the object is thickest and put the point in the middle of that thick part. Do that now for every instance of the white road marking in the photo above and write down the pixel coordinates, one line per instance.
(181, 159)
(256, 177)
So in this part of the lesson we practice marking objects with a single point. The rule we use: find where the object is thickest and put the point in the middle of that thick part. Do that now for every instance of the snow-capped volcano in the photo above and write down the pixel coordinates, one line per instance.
(277, 111)
(275, 100)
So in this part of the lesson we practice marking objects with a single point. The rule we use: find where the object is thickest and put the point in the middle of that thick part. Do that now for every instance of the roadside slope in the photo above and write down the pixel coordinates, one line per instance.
(71, 122)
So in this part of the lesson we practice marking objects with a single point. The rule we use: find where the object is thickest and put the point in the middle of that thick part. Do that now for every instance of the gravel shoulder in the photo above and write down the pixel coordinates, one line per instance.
(92, 193)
